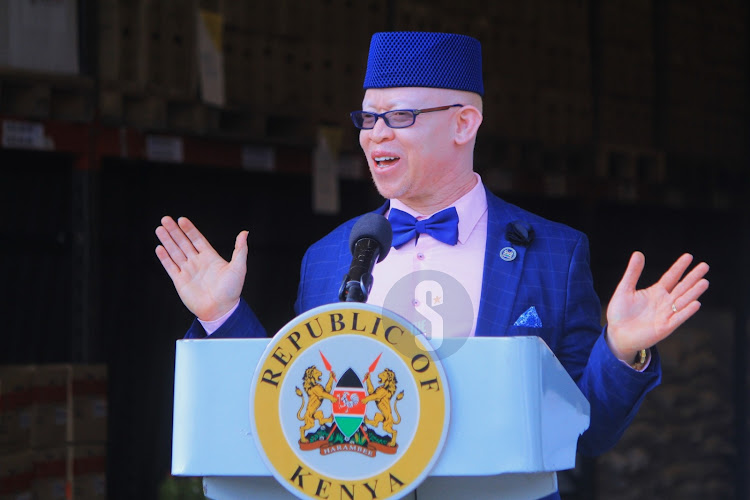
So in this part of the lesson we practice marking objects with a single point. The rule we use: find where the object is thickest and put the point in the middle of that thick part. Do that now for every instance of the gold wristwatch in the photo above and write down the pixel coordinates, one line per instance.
(640, 360)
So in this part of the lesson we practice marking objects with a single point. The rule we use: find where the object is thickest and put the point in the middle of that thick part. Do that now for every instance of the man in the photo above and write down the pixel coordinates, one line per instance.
(524, 275)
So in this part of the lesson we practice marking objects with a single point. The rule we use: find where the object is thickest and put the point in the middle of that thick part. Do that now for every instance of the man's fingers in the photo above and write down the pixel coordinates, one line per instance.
(170, 247)
(197, 240)
(179, 237)
(683, 315)
(173, 270)
(632, 273)
(692, 294)
(689, 281)
(670, 279)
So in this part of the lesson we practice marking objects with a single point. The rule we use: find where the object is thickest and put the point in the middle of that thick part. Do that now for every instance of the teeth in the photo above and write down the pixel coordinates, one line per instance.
(385, 158)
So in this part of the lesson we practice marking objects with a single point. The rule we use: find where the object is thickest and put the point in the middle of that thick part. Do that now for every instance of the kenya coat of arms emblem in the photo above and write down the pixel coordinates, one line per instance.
(336, 404)
(349, 428)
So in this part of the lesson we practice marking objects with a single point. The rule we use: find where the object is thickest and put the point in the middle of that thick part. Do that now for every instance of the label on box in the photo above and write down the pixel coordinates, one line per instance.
(58, 488)
(61, 416)
(258, 158)
(24, 135)
(165, 148)
(99, 408)
(211, 60)
(24, 419)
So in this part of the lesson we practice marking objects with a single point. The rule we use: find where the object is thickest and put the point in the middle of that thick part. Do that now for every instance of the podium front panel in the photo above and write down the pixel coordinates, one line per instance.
(514, 409)
(513, 487)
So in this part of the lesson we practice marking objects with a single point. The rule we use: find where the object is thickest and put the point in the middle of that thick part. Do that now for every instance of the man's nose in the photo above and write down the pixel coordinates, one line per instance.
(381, 131)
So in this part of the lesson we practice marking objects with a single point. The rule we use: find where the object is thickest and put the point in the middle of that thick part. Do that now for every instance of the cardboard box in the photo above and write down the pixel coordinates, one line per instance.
(173, 53)
(248, 69)
(15, 407)
(89, 472)
(16, 476)
(70, 472)
(89, 400)
(39, 35)
(627, 121)
(70, 405)
(52, 471)
(123, 41)
(52, 411)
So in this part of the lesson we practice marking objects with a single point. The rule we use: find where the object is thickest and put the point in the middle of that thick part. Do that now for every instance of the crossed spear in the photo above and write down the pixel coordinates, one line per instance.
(369, 371)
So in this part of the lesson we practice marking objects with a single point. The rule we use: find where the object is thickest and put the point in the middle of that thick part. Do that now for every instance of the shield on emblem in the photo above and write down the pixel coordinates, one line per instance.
(348, 410)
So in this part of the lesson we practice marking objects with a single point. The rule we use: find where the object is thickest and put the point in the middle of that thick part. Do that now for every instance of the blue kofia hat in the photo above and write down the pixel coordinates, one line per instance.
(420, 59)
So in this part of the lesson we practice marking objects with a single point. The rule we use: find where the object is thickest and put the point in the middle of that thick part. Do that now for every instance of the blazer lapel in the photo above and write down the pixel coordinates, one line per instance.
(501, 277)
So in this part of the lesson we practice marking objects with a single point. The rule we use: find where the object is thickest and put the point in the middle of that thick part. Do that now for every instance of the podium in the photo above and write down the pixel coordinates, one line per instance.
(515, 418)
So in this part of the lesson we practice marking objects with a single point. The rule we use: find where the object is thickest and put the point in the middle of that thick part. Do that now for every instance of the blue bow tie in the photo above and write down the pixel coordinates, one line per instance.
(443, 226)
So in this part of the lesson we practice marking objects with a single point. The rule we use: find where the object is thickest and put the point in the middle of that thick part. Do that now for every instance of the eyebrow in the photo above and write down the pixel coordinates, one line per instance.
(390, 106)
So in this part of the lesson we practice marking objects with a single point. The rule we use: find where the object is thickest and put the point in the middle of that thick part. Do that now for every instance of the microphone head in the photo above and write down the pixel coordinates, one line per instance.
(373, 226)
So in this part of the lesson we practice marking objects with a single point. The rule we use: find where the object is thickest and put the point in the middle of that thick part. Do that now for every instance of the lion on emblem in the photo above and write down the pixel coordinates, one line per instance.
(382, 398)
(315, 394)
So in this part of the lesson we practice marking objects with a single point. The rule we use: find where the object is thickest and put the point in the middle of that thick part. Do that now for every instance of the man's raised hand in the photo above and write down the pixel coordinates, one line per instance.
(639, 319)
(208, 285)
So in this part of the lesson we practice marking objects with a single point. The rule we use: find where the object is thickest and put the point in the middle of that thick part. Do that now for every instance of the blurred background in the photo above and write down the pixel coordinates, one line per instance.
(626, 119)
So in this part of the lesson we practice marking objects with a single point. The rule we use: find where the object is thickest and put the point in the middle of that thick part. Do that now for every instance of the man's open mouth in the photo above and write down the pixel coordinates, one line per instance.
(385, 161)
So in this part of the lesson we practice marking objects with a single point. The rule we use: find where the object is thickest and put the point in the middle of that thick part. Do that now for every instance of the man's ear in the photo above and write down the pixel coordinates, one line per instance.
(468, 120)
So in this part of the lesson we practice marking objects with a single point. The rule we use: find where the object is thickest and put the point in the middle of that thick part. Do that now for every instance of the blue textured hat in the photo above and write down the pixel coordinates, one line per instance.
(419, 59)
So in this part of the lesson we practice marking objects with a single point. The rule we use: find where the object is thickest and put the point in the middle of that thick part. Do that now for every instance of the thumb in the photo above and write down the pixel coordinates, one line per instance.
(239, 255)
(632, 273)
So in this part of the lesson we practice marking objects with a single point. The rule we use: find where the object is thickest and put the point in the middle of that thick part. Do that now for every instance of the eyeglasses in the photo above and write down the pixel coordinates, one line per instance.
(397, 118)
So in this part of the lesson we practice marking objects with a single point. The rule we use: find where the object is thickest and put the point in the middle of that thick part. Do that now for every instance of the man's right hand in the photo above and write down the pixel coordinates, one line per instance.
(208, 285)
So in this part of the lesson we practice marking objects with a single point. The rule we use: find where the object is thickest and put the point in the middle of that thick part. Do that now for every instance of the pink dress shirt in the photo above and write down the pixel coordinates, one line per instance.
(429, 254)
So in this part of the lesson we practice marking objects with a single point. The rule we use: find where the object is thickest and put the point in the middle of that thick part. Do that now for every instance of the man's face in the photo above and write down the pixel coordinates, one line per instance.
(416, 163)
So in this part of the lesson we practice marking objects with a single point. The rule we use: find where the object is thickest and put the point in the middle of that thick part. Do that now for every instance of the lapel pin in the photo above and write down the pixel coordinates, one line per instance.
(508, 254)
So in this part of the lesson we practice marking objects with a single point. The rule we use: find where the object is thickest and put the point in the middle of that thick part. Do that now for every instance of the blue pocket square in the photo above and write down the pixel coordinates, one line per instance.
(530, 319)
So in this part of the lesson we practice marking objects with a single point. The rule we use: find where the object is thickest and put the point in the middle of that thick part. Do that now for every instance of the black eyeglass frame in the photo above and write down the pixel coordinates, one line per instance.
(384, 116)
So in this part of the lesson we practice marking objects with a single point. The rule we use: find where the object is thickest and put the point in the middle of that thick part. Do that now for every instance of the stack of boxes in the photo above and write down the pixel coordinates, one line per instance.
(16, 415)
(53, 432)
(538, 87)
(667, 75)
(707, 77)
(147, 57)
(626, 105)
(303, 60)
(298, 59)
(537, 72)
(705, 110)
(564, 105)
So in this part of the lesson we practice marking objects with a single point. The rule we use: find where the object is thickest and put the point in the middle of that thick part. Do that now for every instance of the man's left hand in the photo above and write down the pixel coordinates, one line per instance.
(639, 319)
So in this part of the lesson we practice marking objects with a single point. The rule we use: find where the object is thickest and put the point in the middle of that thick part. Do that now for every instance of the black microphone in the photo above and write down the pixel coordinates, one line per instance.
(369, 241)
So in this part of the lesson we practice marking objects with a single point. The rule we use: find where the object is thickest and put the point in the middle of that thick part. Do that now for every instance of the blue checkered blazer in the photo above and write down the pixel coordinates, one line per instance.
(552, 275)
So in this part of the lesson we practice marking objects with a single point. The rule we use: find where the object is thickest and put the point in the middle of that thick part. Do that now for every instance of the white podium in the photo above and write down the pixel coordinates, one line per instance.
(515, 419)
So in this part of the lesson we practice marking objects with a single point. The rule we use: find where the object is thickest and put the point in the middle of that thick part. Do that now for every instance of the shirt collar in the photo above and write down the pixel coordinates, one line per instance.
(470, 208)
